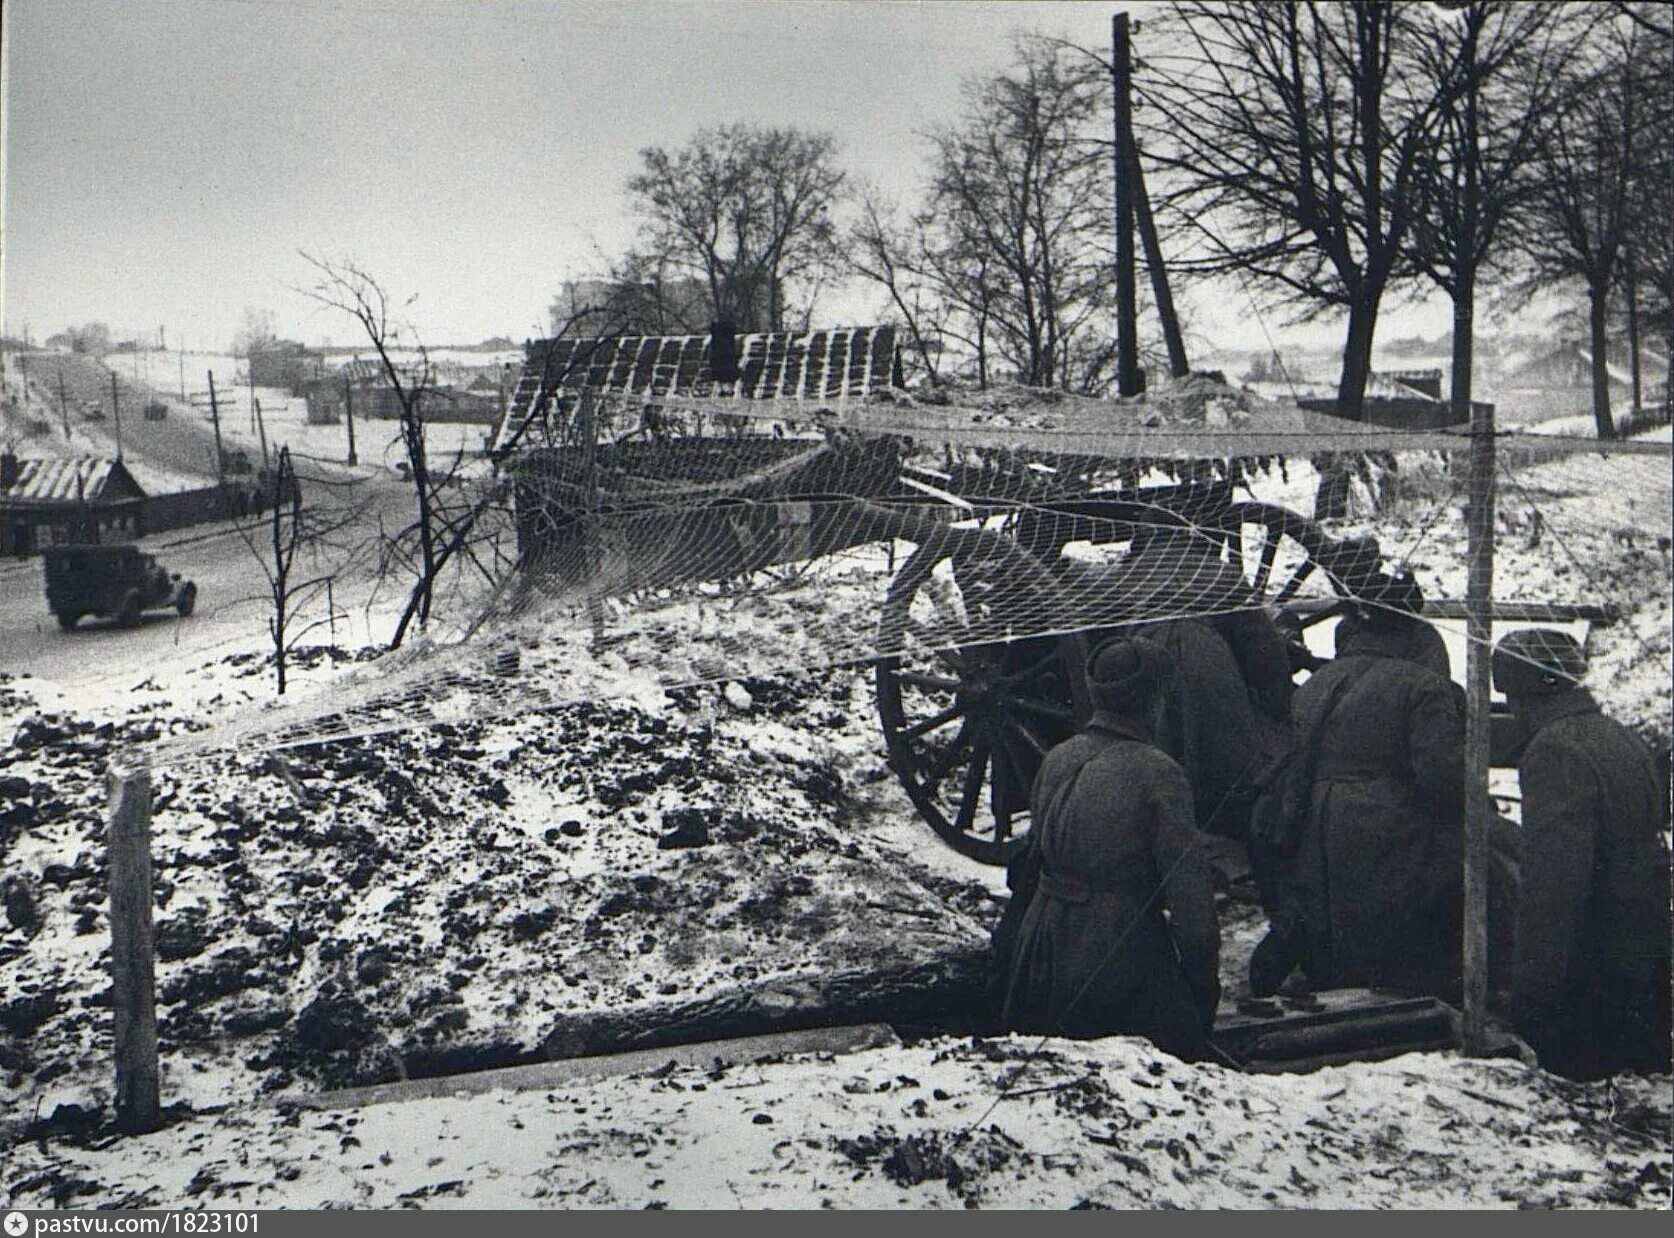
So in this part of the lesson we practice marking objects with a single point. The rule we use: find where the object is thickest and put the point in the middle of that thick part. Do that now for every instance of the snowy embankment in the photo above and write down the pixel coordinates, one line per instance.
(942, 1124)
(498, 889)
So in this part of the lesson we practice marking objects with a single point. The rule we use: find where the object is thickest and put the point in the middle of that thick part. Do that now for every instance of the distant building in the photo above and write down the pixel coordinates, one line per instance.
(285, 363)
(62, 501)
(1559, 382)
(1401, 399)
(596, 307)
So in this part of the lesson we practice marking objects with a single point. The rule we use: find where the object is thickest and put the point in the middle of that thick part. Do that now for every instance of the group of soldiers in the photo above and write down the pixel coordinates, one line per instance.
(1349, 795)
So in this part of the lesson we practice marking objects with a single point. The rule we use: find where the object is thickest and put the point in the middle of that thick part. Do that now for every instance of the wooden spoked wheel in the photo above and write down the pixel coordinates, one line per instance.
(968, 713)
(972, 694)
(1295, 569)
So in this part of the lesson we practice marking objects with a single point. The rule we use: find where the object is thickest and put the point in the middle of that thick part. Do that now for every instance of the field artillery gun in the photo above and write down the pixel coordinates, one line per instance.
(1018, 565)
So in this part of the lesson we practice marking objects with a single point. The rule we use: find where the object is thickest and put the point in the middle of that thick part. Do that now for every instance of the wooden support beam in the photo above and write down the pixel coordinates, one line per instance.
(568, 1072)
(1479, 649)
(133, 980)
(1160, 291)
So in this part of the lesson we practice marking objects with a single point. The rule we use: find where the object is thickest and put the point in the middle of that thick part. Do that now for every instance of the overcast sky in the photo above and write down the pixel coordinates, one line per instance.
(166, 159)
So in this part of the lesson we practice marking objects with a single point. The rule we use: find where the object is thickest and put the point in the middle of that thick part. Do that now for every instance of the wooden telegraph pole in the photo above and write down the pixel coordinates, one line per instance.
(1129, 381)
(63, 404)
(133, 978)
(215, 420)
(116, 410)
(349, 415)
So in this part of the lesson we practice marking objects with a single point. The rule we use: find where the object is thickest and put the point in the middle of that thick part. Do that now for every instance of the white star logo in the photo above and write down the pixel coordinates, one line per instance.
(16, 1223)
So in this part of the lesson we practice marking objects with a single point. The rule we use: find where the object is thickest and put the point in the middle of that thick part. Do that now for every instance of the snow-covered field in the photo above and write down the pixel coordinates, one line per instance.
(504, 886)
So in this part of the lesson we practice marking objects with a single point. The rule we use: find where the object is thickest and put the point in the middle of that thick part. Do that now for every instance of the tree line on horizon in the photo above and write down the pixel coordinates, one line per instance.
(1328, 157)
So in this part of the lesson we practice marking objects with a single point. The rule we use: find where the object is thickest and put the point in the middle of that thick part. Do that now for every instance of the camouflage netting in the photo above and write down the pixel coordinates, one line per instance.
(686, 536)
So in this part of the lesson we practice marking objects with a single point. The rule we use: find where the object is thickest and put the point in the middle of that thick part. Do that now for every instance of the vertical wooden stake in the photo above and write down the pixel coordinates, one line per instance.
(592, 546)
(133, 992)
(261, 428)
(1479, 651)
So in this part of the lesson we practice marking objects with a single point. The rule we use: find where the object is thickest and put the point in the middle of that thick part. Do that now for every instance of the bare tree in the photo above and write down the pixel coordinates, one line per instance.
(291, 529)
(92, 339)
(1505, 62)
(748, 211)
(344, 285)
(256, 332)
(1017, 218)
(454, 524)
(895, 258)
(1582, 208)
(1297, 135)
(1648, 267)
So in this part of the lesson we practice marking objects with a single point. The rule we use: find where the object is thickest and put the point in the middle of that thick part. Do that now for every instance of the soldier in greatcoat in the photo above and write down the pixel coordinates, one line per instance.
(1379, 867)
(1590, 977)
(1095, 954)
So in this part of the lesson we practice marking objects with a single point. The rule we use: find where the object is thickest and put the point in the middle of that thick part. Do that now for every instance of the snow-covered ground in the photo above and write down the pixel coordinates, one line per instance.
(941, 1124)
(506, 883)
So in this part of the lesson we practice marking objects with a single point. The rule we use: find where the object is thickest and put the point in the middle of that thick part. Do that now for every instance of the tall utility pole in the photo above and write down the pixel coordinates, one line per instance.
(261, 429)
(116, 409)
(63, 404)
(215, 419)
(349, 416)
(1129, 381)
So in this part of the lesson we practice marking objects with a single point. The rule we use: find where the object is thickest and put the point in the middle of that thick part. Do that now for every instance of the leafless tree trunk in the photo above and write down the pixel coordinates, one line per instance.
(1504, 63)
(747, 211)
(1589, 165)
(1017, 219)
(1294, 138)
(291, 529)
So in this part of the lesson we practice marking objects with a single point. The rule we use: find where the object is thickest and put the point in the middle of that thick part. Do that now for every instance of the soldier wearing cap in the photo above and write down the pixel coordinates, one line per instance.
(1094, 954)
(1590, 982)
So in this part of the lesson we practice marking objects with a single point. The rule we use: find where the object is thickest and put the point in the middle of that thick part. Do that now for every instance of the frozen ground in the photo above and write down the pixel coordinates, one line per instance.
(1110, 1124)
(480, 891)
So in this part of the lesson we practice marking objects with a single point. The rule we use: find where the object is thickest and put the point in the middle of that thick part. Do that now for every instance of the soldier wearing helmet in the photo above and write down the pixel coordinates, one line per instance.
(1590, 973)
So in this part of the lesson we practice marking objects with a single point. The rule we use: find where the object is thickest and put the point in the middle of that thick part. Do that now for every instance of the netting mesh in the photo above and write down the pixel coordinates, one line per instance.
(667, 540)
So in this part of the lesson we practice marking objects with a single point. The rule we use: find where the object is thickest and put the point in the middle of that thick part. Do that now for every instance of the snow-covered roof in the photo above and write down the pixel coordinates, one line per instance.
(76, 479)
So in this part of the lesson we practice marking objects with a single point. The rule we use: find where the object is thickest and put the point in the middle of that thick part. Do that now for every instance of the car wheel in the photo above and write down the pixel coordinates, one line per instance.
(128, 614)
(67, 619)
(187, 600)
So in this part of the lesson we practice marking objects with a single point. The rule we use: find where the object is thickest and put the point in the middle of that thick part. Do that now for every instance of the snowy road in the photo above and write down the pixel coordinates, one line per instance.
(231, 615)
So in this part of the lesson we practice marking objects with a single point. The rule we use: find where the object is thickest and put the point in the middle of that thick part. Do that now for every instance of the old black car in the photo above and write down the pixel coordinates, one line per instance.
(117, 581)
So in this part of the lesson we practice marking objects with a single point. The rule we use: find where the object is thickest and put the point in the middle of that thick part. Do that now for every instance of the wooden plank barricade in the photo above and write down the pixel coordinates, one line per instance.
(133, 978)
